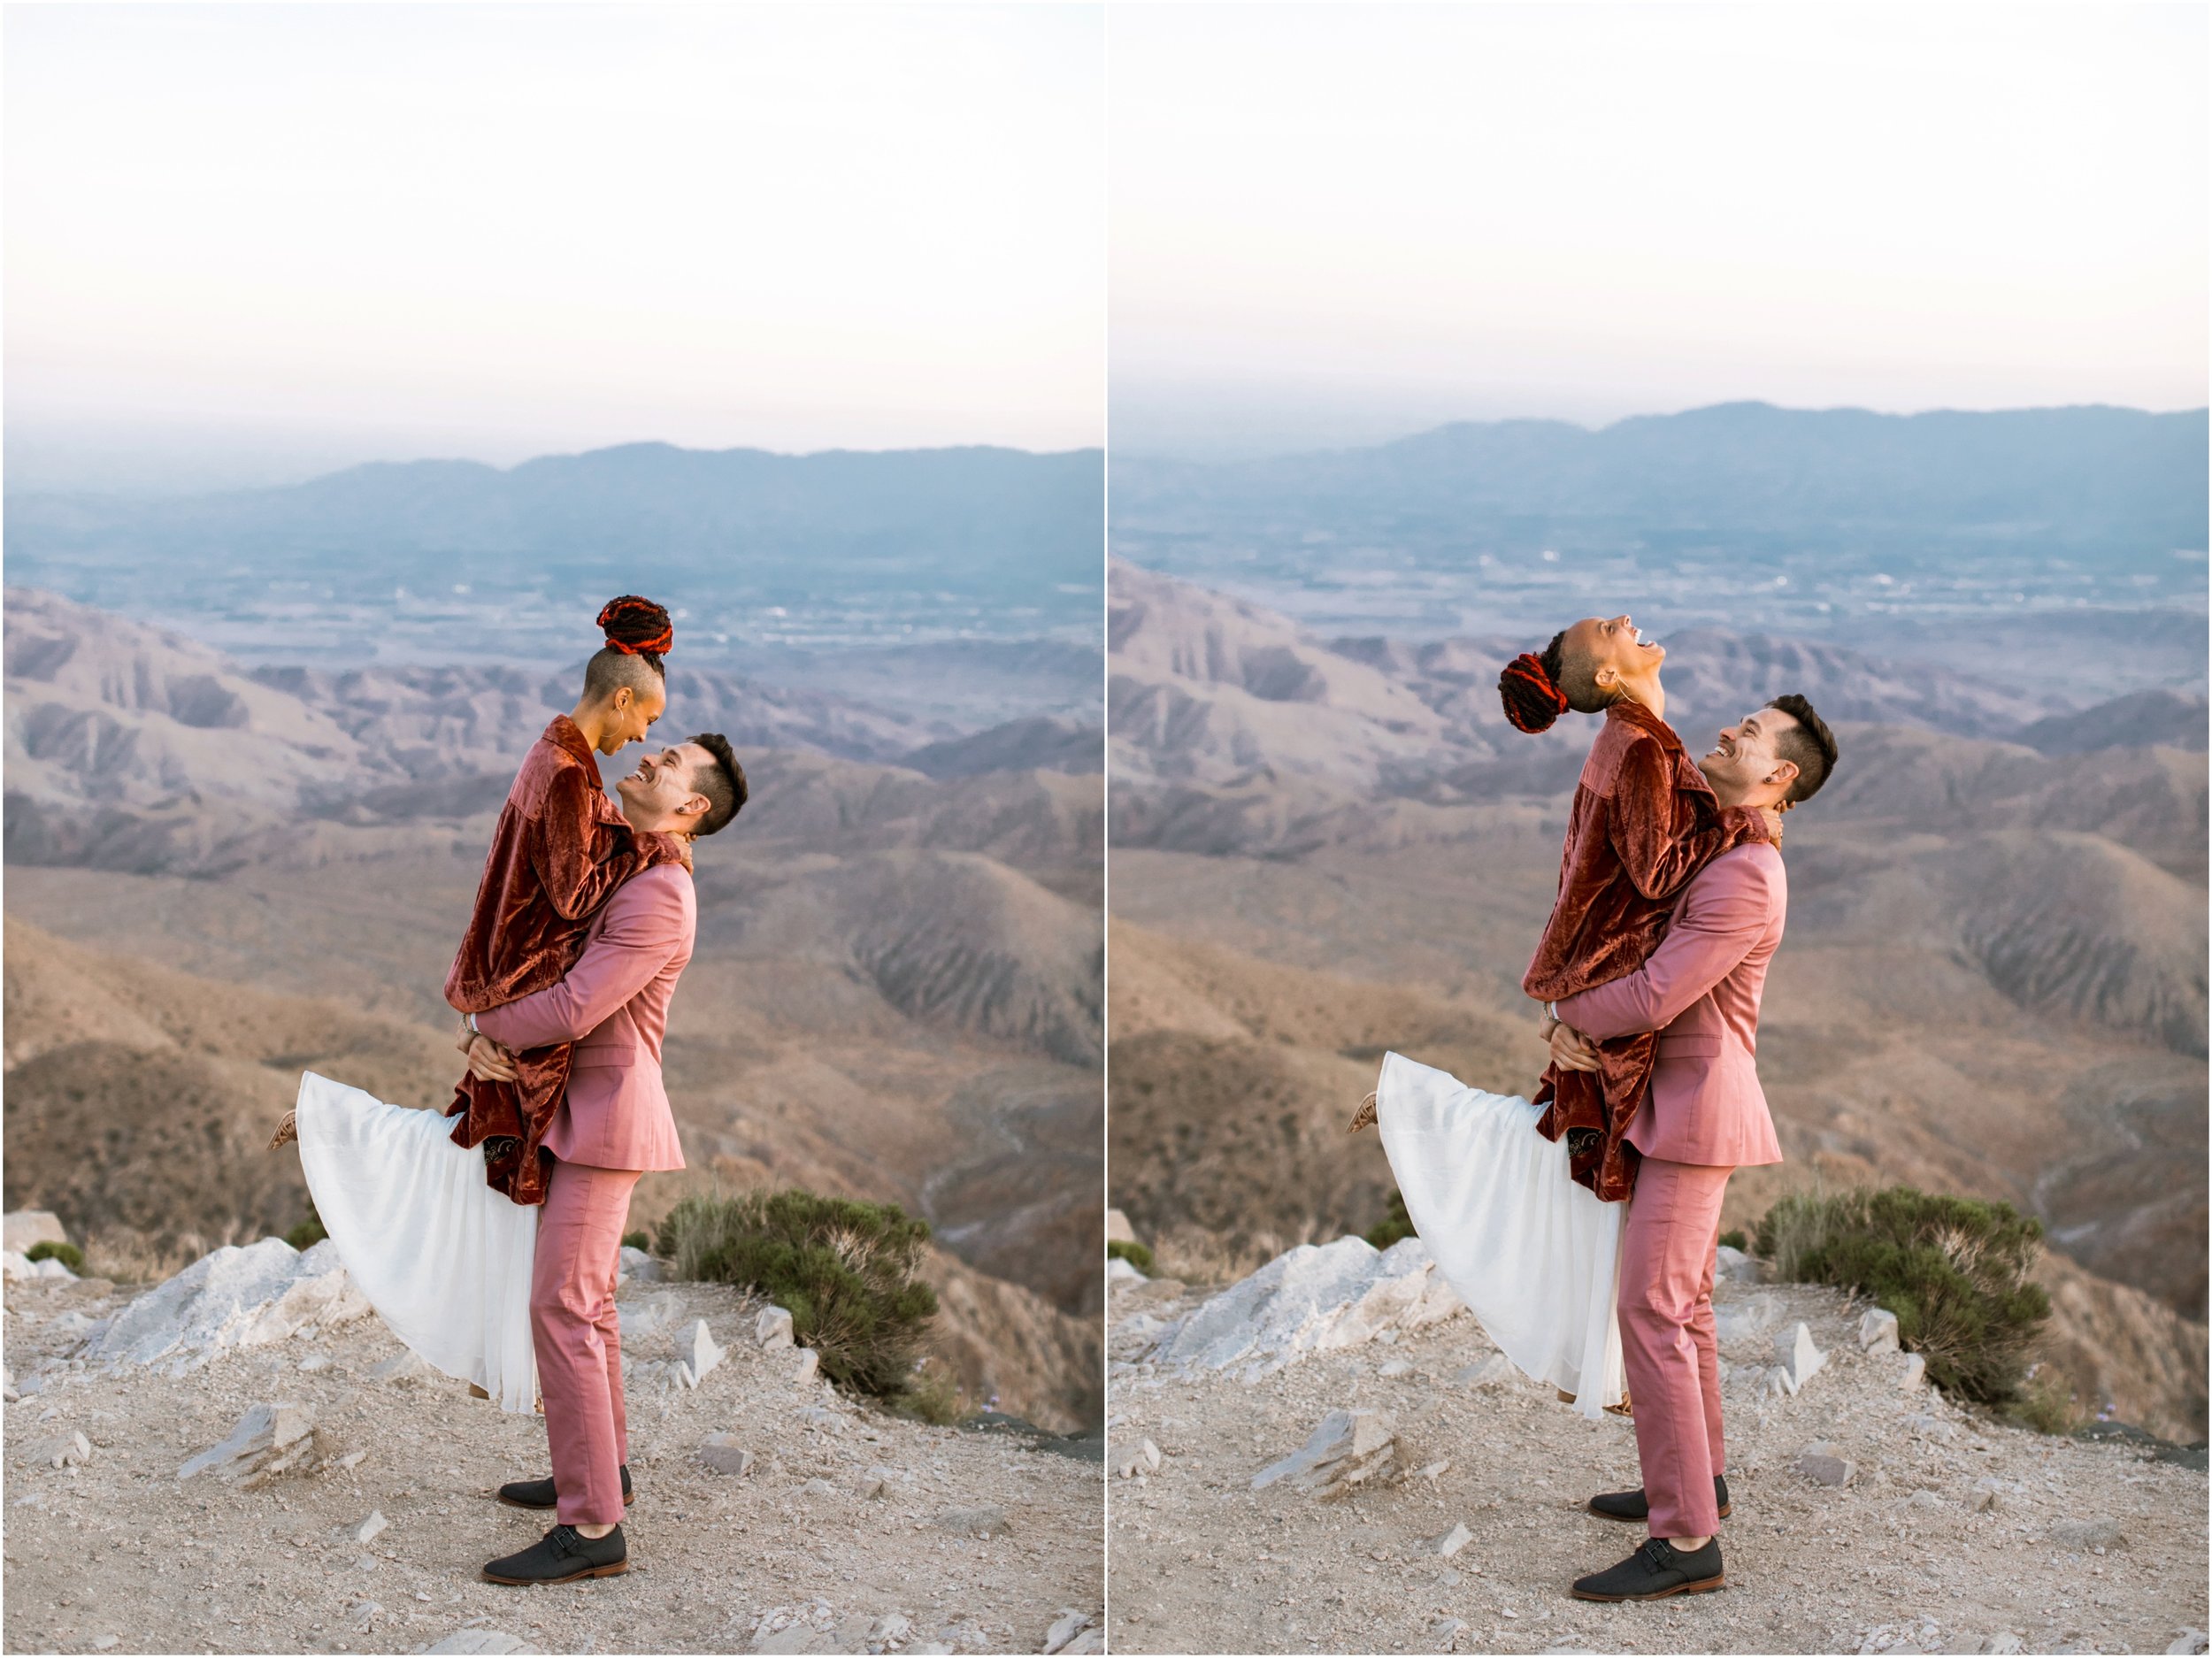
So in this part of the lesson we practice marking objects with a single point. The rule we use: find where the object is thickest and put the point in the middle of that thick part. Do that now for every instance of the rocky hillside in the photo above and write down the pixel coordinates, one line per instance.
(244, 1459)
(1330, 1455)
(1206, 689)
(131, 748)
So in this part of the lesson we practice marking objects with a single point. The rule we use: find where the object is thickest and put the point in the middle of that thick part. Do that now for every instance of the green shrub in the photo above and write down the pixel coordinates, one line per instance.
(2046, 1403)
(636, 1240)
(846, 1272)
(308, 1232)
(932, 1395)
(1393, 1226)
(1734, 1239)
(1953, 1270)
(47, 1249)
(1135, 1254)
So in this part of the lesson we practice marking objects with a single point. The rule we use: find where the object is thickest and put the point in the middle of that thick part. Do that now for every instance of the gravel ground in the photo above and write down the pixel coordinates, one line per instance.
(121, 1555)
(1901, 1559)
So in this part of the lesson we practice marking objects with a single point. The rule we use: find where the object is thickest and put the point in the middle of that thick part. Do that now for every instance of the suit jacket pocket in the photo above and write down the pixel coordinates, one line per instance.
(610, 1058)
(1688, 1046)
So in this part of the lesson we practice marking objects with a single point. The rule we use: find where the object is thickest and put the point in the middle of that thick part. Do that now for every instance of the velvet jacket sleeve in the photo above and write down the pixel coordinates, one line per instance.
(1663, 833)
(1720, 918)
(580, 851)
(645, 926)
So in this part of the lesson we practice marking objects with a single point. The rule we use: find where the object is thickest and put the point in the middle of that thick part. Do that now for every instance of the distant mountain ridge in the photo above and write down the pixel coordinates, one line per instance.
(455, 561)
(991, 506)
(2060, 477)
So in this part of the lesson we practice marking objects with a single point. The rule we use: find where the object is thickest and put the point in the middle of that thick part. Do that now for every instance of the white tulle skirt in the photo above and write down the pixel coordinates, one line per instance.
(1535, 1257)
(443, 1258)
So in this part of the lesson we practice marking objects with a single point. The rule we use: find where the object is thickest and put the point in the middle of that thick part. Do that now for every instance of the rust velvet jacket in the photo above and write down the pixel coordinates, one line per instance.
(558, 852)
(1644, 821)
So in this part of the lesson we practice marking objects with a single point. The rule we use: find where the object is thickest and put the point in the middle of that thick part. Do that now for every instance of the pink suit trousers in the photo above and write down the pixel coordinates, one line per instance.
(578, 1340)
(1667, 1348)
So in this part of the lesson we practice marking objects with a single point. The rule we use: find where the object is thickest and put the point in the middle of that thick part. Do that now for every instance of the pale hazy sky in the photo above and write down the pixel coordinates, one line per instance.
(334, 231)
(1335, 225)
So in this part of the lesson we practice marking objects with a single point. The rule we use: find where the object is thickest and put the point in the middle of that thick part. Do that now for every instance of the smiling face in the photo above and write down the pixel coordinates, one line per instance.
(631, 712)
(1745, 766)
(1615, 655)
(657, 795)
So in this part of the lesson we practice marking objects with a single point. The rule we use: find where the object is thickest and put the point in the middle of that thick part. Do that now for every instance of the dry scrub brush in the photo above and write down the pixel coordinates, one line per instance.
(1953, 1270)
(848, 1273)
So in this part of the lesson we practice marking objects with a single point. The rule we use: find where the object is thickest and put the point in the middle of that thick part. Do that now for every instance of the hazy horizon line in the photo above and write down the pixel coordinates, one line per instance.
(322, 471)
(1223, 450)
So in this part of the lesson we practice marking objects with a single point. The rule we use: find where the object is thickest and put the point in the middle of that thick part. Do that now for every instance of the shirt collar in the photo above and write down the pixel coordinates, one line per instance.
(562, 734)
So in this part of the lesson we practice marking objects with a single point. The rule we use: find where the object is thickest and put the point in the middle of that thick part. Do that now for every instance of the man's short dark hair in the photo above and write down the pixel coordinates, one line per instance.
(1809, 745)
(722, 780)
(609, 670)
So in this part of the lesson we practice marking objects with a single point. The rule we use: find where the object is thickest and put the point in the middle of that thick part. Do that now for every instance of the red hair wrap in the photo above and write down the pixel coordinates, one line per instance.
(636, 627)
(1532, 699)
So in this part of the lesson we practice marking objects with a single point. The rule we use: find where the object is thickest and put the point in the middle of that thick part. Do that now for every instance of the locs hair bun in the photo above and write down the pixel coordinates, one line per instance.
(1532, 699)
(636, 627)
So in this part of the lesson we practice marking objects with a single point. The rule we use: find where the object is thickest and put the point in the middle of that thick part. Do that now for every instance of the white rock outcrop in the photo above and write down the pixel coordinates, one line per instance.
(1825, 1466)
(698, 1351)
(268, 1439)
(64, 1450)
(1797, 1359)
(1878, 1330)
(1734, 1265)
(1070, 1624)
(1349, 1448)
(240, 1296)
(772, 1328)
(20, 1228)
(1316, 1298)
(20, 1266)
(722, 1452)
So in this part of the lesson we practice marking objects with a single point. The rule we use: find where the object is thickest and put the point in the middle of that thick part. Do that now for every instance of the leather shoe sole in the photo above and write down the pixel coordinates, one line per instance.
(613, 1571)
(1698, 1586)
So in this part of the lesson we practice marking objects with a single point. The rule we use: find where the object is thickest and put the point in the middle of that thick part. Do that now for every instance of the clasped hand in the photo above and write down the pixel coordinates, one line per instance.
(489, 1061)
(1571, 1049)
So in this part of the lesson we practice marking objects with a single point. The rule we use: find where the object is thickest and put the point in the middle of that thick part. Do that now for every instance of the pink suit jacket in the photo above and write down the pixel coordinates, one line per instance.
(1700, 990)
(613, 1005)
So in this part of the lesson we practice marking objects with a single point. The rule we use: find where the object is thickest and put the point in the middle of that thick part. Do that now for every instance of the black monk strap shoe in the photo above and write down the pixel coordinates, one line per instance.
(539, 1494)
(1654, 1572)
(563, 1555)
(1631, 1505)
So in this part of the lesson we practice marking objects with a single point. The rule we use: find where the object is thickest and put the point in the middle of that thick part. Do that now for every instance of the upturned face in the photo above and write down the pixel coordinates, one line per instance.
(631, 715)
(1616, 650)
(1744, 765)
(657, 795)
